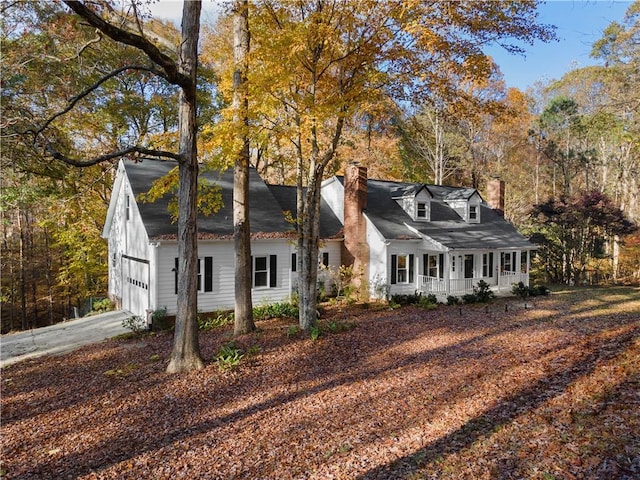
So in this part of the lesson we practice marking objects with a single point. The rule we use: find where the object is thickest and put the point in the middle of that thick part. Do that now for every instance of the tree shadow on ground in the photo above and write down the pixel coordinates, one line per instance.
(136, 428)
(504, 412)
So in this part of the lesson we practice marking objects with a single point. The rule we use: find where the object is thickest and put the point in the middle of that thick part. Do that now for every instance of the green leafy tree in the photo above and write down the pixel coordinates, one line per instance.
(574, 230)
(564, 134)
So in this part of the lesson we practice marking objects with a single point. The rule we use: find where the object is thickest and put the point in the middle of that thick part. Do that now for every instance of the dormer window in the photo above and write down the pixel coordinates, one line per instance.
(474, 213)
(415, 200)
(465, 202)
(422, 210)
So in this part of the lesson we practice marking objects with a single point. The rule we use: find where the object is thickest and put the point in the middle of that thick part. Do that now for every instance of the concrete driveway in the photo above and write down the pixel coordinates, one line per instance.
(60, 338)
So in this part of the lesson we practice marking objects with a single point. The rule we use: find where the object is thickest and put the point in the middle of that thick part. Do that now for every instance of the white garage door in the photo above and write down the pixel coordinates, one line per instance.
(135, 295)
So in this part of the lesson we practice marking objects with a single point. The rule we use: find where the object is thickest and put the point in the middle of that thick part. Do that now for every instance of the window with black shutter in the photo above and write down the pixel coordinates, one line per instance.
(206, 270)
(412, 264)
(175, 275)
(208, 274)
(394, 266)
(260, 272)
(273, 271)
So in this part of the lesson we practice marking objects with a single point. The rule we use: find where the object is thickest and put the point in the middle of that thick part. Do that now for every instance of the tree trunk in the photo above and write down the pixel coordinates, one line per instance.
(49, 277)
(22, 280)
(615, 258)
(242, 232)
(186, 350)
(308, 249)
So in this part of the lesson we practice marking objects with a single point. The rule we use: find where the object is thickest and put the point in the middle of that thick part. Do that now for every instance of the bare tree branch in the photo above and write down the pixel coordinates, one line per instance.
(109, 156)
(93, 87)
(87, 45)
(169, 65)
(6, 6)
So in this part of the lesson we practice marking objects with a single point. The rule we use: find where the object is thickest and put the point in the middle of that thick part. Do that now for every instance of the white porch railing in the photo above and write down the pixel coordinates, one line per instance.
(432, 284)
(462, 286)
(506, 279)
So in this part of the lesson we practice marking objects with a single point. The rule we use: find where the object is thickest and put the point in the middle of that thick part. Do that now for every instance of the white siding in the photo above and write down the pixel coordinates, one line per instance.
(136, 239)
(281, 291)
(408, 204)
(378, 258)
(223, 295)
(333, 193)
(115, 271)
(333, 248)
(129, 274)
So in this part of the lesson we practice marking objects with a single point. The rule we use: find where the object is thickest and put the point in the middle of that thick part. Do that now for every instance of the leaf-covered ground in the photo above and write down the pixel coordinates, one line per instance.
(548, 392)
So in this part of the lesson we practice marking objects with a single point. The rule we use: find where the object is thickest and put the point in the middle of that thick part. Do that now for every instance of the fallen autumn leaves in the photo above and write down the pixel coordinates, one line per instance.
(547, 392)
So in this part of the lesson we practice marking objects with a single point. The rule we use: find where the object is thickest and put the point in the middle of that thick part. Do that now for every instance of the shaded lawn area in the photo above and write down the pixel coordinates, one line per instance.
(550, 392)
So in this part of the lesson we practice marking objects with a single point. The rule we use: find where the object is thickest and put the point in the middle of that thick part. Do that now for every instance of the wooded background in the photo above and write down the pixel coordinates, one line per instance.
(568, 150)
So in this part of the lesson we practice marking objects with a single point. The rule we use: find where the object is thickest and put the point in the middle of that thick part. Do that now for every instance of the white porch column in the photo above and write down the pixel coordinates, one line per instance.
(447, 272)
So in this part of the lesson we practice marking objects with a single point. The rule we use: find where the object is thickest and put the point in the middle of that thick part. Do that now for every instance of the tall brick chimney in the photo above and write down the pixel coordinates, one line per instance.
(355, 250)
(495, 195)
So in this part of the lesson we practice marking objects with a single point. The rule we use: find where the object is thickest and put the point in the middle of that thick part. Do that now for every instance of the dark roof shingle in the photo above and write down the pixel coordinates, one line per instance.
(265, 214)
(445, 225)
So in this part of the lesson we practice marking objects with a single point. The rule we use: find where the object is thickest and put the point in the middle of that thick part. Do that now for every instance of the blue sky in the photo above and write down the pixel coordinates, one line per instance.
(579, 24)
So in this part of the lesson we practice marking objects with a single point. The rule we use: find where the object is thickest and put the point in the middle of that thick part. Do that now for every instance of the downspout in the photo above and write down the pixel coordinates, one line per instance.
(152, 283)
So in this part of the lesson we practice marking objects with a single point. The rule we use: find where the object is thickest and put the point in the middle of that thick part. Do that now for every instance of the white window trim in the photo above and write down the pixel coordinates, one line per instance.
(436, 266)
(256, 271)
(200, 282)
(427, 211)
(405, 269)
(477, 210)
(127, 207)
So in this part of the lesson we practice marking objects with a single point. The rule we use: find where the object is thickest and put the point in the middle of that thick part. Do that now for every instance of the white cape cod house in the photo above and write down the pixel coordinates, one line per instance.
(143, 246)
(404, 237)
(427, 238)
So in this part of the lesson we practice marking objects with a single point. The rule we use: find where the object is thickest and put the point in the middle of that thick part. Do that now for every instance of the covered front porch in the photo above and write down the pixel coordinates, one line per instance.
(457, 273)
(462, 286)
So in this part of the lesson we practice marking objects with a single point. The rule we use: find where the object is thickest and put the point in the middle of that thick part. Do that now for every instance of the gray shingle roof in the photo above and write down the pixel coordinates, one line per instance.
(330, 226)
(446, 226)
(266, 217)
(410, 190)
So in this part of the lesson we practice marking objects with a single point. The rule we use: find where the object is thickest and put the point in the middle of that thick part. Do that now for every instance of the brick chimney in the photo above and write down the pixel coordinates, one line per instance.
(355, 250)
(495, 195)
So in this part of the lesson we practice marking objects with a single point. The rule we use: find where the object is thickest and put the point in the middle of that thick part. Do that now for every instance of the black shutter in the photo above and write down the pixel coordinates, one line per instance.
(273, 272)
(441, 265)
(208, 274)
(325, 259)
(199, 277)
(253, 284)
(411, 267)
(175, 275)
(294, 262)
(425, 264)
(394, 266)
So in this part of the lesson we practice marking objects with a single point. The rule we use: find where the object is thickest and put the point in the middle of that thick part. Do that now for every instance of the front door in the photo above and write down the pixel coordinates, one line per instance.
(468, 266)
